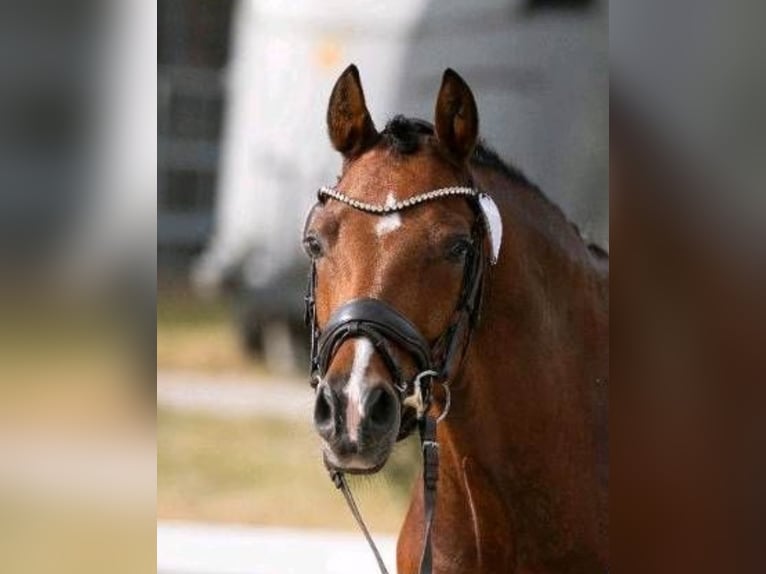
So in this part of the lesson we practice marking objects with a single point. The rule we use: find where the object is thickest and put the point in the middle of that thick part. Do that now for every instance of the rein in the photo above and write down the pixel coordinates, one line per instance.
(383, 325)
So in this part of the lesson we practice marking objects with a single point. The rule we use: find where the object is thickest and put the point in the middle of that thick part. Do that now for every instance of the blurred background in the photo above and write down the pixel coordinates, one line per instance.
(156, 161)
(243, 87)
(77, 285)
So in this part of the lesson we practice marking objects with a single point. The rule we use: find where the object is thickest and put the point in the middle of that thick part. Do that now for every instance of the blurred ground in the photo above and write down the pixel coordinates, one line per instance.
(186, 548)
(77, 443)
(235, 443)
(199, 335)
(264, 469)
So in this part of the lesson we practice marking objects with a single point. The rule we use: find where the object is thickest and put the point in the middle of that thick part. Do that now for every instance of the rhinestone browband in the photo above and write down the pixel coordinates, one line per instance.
(399, 205)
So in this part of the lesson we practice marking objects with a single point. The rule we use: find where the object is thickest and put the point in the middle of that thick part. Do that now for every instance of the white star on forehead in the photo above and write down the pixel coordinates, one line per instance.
(391, 222)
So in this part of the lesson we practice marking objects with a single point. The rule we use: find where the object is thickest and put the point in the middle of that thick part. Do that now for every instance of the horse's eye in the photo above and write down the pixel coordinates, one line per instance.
(312, 246)
(459, 249)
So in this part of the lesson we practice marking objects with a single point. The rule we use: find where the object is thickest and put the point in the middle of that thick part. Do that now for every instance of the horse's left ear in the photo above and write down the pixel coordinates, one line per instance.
(456, 119)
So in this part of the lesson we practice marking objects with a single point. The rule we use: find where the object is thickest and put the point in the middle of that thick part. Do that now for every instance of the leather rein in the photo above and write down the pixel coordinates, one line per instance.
(385, 326)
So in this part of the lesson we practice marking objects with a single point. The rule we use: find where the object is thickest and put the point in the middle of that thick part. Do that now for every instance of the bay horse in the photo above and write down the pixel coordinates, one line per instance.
(445, 285)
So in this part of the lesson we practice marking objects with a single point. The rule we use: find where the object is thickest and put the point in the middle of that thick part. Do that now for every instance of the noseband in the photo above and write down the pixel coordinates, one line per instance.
(382, 325)
(387, 329)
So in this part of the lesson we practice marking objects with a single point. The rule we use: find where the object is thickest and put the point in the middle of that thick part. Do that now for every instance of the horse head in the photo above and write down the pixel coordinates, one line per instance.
(398, 248)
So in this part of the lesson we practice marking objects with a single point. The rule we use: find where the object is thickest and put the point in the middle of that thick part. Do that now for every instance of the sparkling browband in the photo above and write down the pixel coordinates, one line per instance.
(399, 205)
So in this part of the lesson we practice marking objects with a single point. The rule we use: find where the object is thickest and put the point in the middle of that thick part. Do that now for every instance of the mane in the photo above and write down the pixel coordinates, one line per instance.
(405, 136)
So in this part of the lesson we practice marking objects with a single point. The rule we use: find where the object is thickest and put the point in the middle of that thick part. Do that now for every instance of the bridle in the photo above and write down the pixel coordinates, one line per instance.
(385, 327)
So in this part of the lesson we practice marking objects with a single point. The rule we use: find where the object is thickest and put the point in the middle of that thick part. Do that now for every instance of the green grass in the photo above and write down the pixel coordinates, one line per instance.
(269, 472)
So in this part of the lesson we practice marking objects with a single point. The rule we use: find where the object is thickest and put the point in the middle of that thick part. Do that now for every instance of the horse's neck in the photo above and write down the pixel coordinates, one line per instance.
(542, 339)
(526, 409)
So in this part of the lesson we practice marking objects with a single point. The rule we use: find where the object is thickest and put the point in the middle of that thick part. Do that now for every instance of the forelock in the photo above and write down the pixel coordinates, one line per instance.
(405, 135)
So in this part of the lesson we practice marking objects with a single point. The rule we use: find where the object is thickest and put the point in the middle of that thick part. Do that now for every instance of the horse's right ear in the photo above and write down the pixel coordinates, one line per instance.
(348, 122)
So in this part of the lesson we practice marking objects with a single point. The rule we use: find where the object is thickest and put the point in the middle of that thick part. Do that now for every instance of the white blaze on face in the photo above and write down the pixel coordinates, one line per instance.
(391, 222)
(355, 387)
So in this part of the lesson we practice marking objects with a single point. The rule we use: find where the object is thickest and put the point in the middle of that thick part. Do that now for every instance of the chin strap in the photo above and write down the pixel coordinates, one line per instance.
(430, 450)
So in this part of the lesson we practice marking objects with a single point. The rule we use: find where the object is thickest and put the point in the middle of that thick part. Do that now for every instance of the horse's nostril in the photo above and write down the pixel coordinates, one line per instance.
(380, 407)
(323, 411)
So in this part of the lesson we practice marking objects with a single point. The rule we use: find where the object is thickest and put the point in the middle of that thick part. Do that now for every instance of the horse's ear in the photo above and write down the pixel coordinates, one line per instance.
(348, 122)
(456, 119)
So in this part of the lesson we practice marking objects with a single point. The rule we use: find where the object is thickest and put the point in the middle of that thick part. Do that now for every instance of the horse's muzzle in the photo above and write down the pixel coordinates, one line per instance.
(359, 426)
